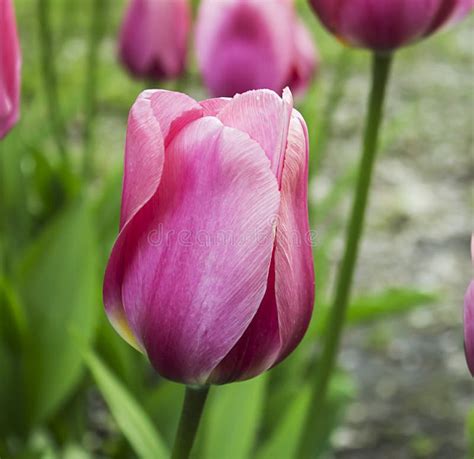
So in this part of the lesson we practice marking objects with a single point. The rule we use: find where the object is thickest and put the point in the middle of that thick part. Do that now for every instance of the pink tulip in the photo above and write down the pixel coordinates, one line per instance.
(154, 37)
(384, 25)
(10, 63)
(253, 44)
(469, 320)
(211, 275)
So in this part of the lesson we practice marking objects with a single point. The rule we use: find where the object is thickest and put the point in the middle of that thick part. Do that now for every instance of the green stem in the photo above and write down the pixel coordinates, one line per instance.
(322, 372)
(49, 75)
(96, 32)
(193, 406)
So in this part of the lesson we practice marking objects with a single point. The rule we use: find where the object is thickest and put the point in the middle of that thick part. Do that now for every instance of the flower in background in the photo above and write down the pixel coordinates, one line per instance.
(212, 274)
(153, 39)
(469, 320)
(10, 65)
(253, 44)
(384, 25)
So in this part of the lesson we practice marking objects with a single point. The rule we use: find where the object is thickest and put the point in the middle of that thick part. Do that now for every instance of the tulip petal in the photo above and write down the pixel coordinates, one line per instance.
(243, 45)
(10, 63)
(198, 254)
(212, 107)
(155, 118)
(294, 273)
(265, 117)
(286, 309)
(469, 327)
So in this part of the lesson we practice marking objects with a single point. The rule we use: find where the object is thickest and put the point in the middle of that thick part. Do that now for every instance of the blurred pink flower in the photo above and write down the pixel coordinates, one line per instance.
(10, 65)
(384, 25)
(253, 44)
(212, 275)
(153, 39)
(469, 320)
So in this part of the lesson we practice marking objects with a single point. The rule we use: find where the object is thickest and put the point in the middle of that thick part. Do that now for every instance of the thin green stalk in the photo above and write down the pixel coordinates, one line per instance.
(49, 76)
(321, 373)
(333, 100)
(96, 32)
(193, 406)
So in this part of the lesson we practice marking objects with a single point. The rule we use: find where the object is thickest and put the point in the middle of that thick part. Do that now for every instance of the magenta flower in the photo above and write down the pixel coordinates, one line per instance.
(253, 44)
(469, 320)
(10, 64)
(385, 25)
(211, 275)
(153, 39)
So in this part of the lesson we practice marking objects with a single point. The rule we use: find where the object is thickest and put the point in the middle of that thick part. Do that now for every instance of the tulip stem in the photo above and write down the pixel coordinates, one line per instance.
(321, 373)
(96, 32)
(49, 75)
(193, 405)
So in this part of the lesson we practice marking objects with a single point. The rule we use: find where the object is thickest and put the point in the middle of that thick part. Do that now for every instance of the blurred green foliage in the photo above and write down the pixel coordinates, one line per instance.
(57, 231)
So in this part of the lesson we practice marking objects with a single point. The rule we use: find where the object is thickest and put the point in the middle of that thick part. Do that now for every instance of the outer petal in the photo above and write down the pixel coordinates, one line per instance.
(243, 45)
(265, 117)
(469, 327)
(154, 120)
(10, 64)
(285, 311)
(305, 60)
(195, 269)
(294, 274)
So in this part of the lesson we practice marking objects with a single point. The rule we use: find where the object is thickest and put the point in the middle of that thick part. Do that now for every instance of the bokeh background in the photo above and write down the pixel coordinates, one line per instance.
(403, 389)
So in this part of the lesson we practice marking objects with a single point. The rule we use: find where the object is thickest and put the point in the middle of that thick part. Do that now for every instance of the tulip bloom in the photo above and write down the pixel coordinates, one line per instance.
(10, 63)
(153, 39)
(385, 25)
(211, 275)
(253, 44)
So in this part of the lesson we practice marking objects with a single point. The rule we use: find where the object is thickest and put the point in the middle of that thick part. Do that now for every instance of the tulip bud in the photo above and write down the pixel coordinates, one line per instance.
(211, 275)
(252, 44)
(385, 25)
(153, 39)
(10, 63)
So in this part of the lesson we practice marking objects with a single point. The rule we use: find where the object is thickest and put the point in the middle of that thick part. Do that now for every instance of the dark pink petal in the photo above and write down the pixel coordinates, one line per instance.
(197, 255)
(243, 45)
(155, 118)
(294, 274)
(265, 117)
(153, 38)
(258, 348)
(469, 327)
(10, 64)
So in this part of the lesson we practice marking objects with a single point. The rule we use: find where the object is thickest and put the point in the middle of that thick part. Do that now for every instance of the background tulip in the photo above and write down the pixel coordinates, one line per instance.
(384, 25)
(250, 44)
(154, 36)
(469, 320)
(10, 63)
(212, 273)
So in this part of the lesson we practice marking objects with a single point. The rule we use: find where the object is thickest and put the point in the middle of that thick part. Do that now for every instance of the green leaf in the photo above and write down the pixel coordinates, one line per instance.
(232, 419)
(283, 441)
(57, 281)
(130, 417)
(470, 432)
(372, 307)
